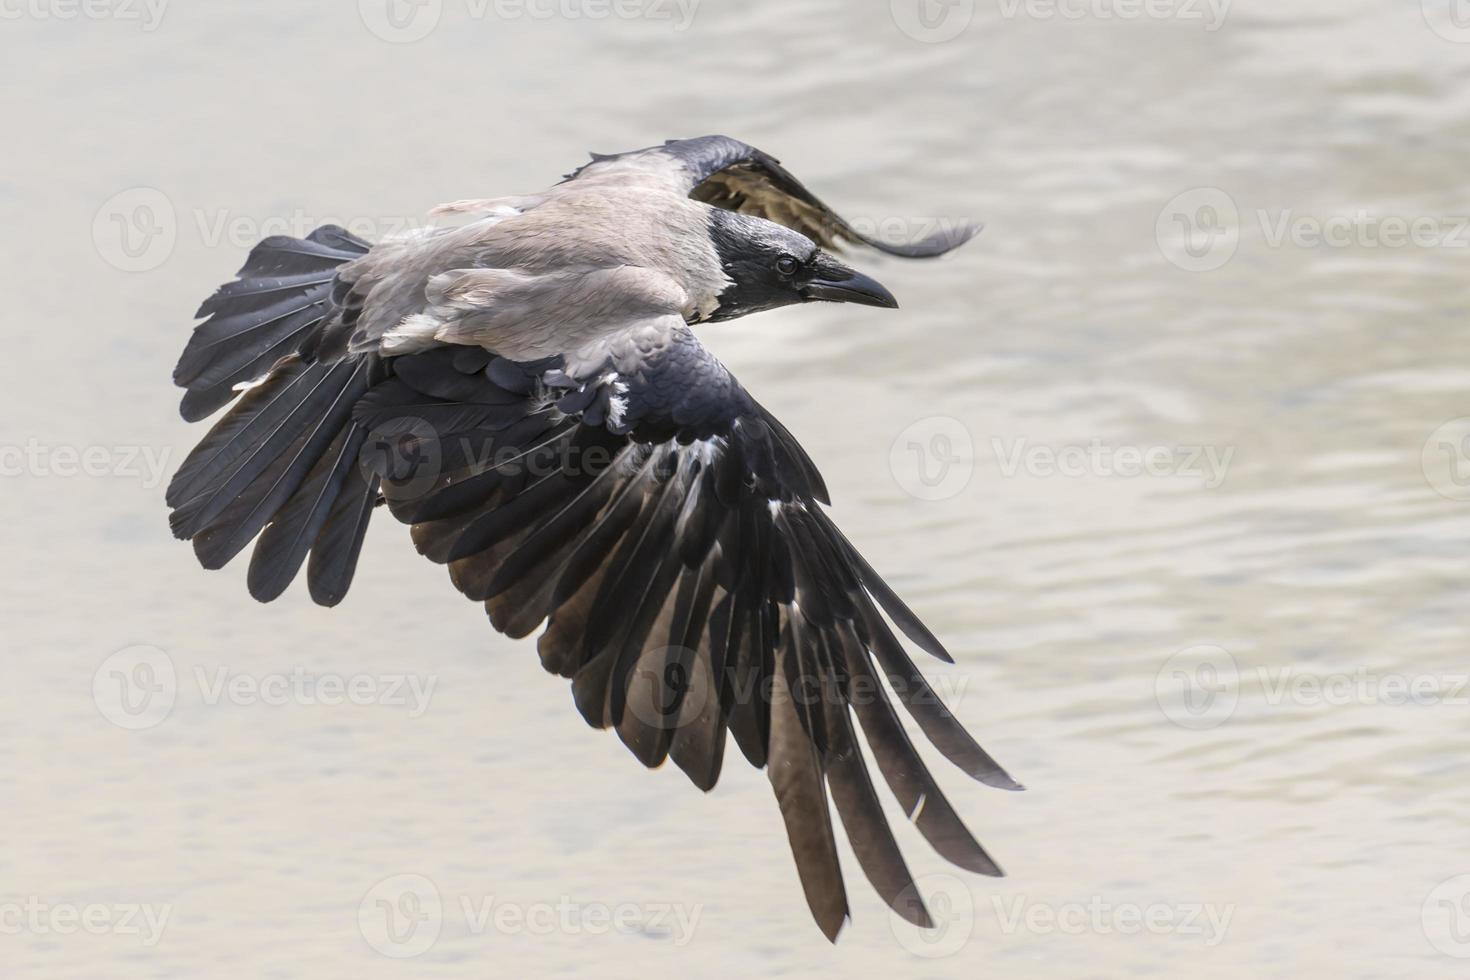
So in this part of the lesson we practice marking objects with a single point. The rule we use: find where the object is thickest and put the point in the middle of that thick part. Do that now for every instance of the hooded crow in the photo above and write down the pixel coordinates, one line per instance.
(526, 391)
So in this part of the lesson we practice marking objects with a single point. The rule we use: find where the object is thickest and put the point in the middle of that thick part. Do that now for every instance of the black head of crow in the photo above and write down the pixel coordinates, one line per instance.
(769, 265)
(582, 463)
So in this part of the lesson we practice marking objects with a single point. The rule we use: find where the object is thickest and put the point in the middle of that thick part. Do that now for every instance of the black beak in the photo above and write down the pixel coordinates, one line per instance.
(836, 283)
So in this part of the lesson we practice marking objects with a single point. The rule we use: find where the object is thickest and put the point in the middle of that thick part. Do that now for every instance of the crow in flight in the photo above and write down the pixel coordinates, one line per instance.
(527, 392)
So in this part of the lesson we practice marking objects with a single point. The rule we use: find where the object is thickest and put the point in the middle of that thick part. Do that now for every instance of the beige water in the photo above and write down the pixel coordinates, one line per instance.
(1165, 472)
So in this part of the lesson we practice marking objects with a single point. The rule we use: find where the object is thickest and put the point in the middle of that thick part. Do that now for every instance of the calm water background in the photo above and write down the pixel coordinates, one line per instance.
(1100, 318)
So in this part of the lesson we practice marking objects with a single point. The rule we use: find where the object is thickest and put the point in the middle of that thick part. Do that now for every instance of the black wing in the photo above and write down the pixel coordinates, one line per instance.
(669, 532)
(733, 175)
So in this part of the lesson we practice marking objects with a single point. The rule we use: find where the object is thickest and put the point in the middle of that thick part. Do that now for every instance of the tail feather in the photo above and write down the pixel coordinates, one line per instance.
(334, 554)
(202, 402)
(283, 293)
(224, 344)
(283, 463)
(285, 541)
(271, 485)
(268, 431)
(322, 250)
(244, 295)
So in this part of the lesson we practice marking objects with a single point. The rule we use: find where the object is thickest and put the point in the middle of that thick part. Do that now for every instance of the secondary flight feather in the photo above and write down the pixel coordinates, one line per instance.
(526, 391)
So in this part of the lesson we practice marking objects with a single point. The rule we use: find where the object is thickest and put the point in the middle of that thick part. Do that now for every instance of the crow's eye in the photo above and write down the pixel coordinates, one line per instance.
(786, 265)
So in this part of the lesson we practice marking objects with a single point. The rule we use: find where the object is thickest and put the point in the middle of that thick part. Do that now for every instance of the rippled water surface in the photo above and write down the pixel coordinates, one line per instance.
(1158, 455)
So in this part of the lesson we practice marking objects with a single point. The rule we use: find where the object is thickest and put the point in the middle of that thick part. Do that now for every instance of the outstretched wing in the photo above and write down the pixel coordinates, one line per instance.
(668, 531)
(727, 173)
